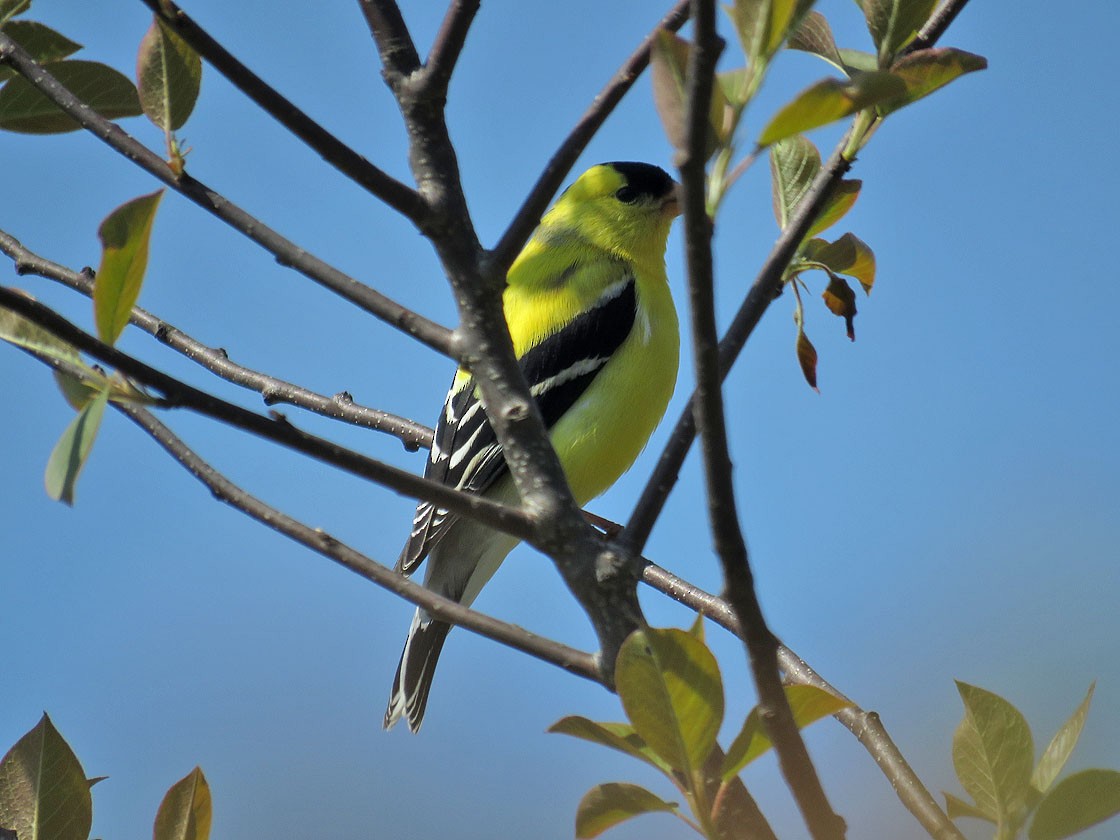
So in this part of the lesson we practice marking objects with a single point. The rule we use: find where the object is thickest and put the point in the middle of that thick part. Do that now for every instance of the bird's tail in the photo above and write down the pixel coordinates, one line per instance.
(415, 671)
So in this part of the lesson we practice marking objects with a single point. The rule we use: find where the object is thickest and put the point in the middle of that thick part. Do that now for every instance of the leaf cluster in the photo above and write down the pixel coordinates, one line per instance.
(993, 755)
(671, 689)
(45, 794)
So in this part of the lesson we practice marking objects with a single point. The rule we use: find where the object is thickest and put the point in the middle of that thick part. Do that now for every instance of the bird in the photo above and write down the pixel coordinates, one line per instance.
(595, 333)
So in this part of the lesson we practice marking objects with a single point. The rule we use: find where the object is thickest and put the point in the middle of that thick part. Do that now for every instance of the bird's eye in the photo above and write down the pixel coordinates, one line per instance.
(626, 194)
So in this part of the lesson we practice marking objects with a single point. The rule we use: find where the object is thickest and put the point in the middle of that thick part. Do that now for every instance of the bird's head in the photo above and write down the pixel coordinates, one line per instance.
(625, 208)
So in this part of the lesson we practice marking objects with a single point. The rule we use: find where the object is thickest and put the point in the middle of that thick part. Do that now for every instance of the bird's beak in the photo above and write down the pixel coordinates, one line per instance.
(671, 206)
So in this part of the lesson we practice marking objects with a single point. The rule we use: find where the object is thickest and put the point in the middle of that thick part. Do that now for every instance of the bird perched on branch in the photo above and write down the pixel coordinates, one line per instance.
(595, 333)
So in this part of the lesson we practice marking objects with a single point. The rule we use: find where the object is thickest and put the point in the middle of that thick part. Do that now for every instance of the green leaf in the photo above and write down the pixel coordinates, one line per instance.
(808, 704)
(829, 100)
(956, 808)
(605, 806)
(848, 255)
(41, 42)
(894, 23)
(670, 687)
(993, 754)
(841, 301)
(109, 93)
(1076, 803)
(617, 736)
(11, 8)
(843, 197)
(924, 71)
(73, 448)
(669, 68)
(794, 163)
(813, 35)
(185, 811)
(762, 25)
(44, 794)
(168, 75)
(124, 235)
(17, 330)
(859, 60)
(1056, 755)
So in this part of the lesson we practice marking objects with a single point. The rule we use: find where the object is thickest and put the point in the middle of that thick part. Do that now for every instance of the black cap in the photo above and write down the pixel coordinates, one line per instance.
(644, 178)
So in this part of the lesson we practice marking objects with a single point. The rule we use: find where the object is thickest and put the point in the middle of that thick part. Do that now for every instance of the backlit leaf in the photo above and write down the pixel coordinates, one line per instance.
(1076, 803)
(956, 807)
(848, 255)
(168, 75)
(185, 812)
(808, 704)
(617, 736)
(829, 100)
(794, 163)
(44, 794)
(841, 301)
(843, 197)
(11, 8)
(109, 93)
(124, 235)
(605, 806)
(814, 35)
(993, 754)
(893, 23)
(670, 687)
(1057, 753)
(72, 450)
(669, 69)
(41, 42)
(925, 71)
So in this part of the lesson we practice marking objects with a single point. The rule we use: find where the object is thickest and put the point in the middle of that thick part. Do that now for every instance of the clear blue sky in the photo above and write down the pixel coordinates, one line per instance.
(947, 506)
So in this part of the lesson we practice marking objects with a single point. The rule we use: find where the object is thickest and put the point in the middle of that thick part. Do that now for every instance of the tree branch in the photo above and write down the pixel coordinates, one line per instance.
(273, 390)
(394, 43)
(286, 252)
(444, 609)
(765, 289)
(564, 158)
(762, 646)
(449, 44)
(354, 166)
(178, 394)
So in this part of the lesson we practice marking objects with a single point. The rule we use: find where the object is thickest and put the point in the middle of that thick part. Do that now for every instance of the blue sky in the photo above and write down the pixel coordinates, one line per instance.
(946, 507)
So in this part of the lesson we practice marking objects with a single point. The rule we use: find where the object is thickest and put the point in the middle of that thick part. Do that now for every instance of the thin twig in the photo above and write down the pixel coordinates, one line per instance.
(444, 609)
(286, 252)
(449, 43)
(564, 158)
(177, 394)
(354, 166)
(272, 389)
(765, 289)
(394, 43)
(762, 647)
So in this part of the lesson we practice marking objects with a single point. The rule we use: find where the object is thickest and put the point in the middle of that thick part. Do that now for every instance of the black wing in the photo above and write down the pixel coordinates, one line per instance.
(466, 453)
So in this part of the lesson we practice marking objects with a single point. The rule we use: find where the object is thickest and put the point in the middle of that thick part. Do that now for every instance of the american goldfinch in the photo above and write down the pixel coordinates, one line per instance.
(595, 331)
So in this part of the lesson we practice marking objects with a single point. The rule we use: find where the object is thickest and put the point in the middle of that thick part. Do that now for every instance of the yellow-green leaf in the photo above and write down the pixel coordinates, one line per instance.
(41, 42)
(848, 255)
(843, 197)
(829, 100)
(955, 807)
(924, 71)
(894, 23)
(72, 450)
(1057, 753)
(794, 163)
(44, 794)
(16, 329)
(168, 76)
(993, 753)
(109, 93)
(11, 8)
(808, 704)
(671, 689)
(605, 806)
(814, 35)
(1076, 803)
(124, 234)
(617, 736)
(185, 811)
